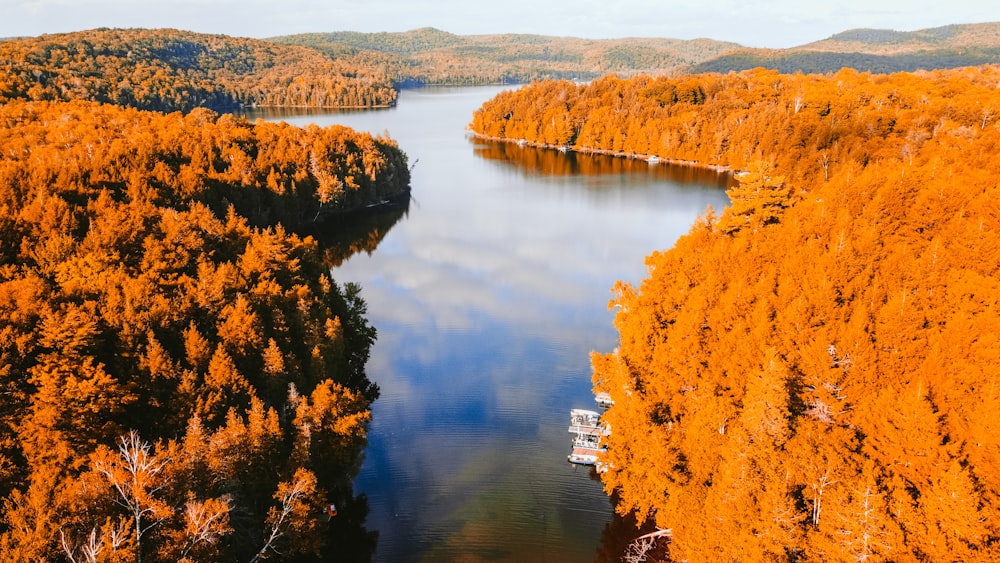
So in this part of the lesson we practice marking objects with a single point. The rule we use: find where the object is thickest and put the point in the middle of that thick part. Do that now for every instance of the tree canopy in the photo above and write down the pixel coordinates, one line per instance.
(172, 70)
(180, 377)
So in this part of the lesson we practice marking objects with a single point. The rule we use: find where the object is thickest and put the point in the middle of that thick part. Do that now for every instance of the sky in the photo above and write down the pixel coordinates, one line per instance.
(753, 23)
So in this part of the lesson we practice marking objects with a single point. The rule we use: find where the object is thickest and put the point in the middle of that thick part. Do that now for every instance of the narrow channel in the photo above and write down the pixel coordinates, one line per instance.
(489, 293)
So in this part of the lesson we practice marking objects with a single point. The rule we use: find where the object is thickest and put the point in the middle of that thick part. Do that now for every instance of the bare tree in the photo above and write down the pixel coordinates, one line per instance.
(135, 475)
(88, 552)
(113, 537)
(640, 546)
(205, 522)
(292, 498)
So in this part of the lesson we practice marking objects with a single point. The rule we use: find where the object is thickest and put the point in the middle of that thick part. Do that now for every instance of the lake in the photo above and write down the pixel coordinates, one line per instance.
(489, 293)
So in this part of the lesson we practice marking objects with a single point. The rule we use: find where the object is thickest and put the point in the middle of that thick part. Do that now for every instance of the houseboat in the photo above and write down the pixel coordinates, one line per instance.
(603, 399)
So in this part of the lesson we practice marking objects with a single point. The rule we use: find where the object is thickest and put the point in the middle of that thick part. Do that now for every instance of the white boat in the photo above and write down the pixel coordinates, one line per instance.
(603, 399)
(587, 441)
(584, 421)
(585, 456)
(584, 417)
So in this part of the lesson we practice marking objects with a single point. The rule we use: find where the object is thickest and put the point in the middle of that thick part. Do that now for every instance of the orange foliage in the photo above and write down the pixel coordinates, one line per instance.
(147, 329)
(268, 171)
(172, 70)
(811, 375)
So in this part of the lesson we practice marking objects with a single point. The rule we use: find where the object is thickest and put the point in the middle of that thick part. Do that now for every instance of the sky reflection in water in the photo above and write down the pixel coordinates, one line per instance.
(488, 297)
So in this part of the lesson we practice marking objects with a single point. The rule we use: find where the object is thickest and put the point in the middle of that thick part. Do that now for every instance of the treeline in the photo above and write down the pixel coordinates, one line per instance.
(270, 172)
(171, 70)
(177, 383)
(809, 375)
(430, 56)
(819, 62)
(887, 41)
(880, 51)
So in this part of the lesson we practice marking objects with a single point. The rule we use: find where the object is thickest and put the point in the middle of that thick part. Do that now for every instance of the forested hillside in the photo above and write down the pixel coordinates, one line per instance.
(810, 374)
(885, 41)
(432, 56)
(171, 70)
(818, 62)
(873, 50)
(180, 377)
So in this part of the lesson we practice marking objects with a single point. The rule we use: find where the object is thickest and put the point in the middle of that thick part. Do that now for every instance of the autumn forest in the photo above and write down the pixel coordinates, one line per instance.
(181, 378)
(172, 70)
(809, 374)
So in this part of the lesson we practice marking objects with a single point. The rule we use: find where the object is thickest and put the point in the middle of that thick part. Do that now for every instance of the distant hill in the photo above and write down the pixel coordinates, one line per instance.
(168, 70)
(432, 56)
(884, 41)
(403, 43)
(873, 50)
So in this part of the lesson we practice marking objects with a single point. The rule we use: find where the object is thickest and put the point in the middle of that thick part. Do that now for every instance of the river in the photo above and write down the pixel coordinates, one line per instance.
(489, 293)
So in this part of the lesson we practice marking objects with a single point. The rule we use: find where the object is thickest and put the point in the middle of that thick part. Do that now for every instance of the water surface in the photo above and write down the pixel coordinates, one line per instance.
(488, 296)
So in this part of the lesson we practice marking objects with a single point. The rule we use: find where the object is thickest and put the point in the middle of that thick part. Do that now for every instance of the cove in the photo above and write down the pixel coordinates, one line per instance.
(488, 293)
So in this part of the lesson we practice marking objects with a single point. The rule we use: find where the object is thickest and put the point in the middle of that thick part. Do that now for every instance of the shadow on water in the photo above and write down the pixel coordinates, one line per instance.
(284, 113)
(340, 237)
(343, 236)
(348, 541)
(619, 533)
(533, 161)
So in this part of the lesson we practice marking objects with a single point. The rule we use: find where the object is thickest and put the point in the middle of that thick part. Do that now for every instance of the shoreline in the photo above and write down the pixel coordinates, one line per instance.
(309, 107)
(650, 158)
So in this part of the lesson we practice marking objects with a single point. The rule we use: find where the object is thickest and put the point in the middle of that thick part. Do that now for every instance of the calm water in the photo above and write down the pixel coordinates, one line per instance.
(489, 294)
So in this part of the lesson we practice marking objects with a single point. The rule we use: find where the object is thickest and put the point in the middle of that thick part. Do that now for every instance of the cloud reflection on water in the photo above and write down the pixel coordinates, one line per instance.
(488, 298)
(489, 308)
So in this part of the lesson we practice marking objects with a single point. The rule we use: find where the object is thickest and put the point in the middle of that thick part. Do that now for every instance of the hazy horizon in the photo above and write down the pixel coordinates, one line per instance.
(778, 24)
